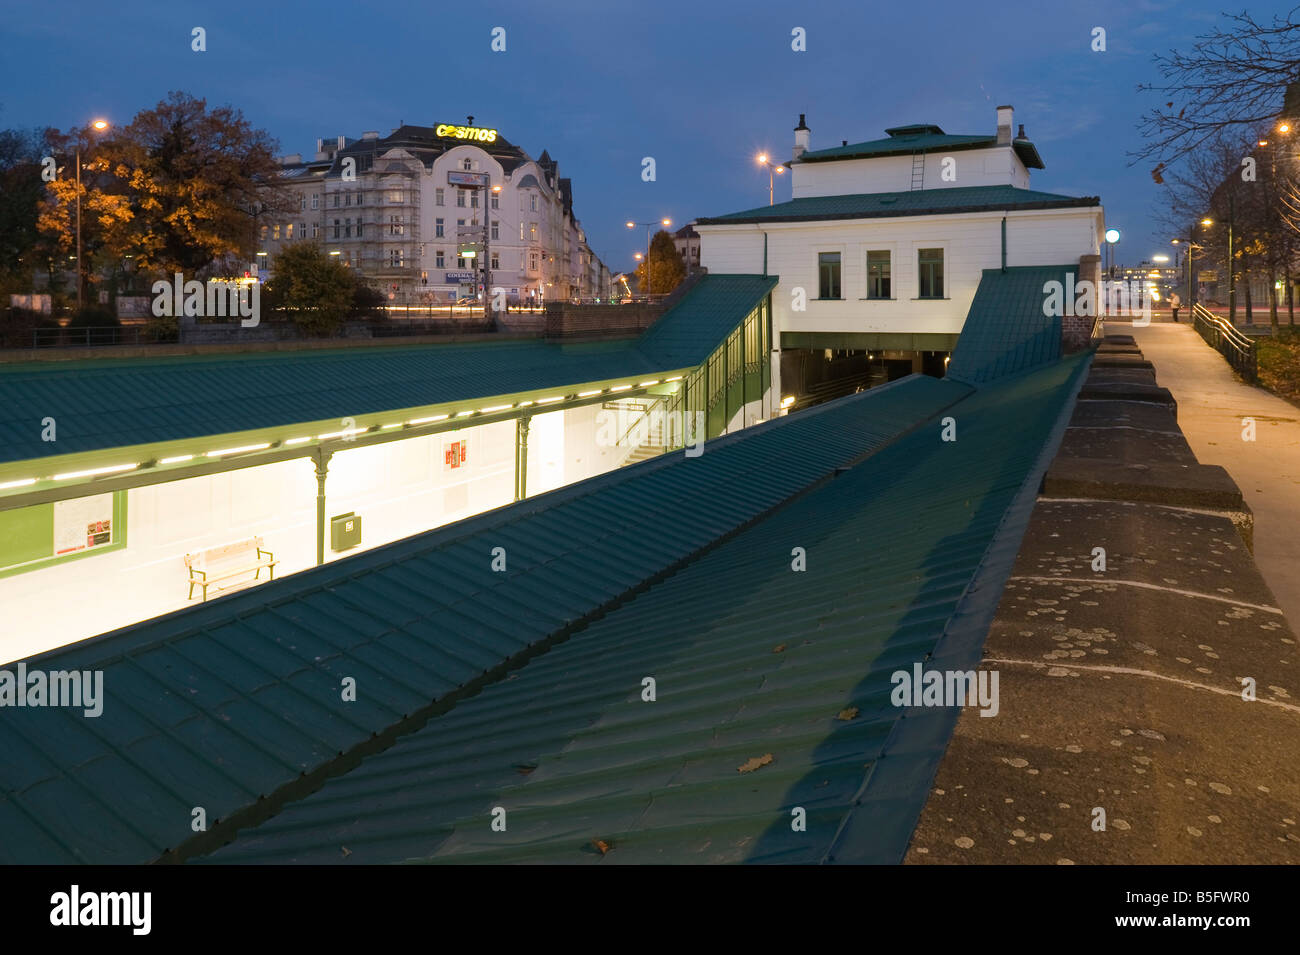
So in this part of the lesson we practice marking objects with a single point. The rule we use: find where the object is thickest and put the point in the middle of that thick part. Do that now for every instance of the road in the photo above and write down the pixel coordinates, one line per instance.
(1211, 407)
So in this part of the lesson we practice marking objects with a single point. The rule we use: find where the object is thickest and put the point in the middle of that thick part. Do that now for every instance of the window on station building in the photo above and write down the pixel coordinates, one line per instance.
(438, 259)
(439, 228)
(395, 258)
(336, 200)
(394, 225)
(395, 196)
(496, 229)
(930, 269)
(302, 203)
(360, 196)
(496, 202)
(315, 200)
(878, 274)
(828, 275)
(288, 231)
(473, 200)
(521, 232)
(466, 164)
(315, 230)
(336, 228)
(347, 229)
(347, 199)
(460, 198)
(532, 202)
(496, 260)
(439, 198)
(263, 233)
(275, 232)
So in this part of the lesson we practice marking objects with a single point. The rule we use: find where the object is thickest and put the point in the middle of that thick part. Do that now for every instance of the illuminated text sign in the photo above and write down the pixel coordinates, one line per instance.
(447, 131)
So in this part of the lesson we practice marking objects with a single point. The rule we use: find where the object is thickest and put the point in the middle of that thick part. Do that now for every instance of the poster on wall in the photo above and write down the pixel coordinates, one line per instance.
(83, 524)
(453, 455)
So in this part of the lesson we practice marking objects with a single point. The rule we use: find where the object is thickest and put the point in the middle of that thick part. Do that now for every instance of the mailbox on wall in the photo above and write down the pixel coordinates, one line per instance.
(345, 531)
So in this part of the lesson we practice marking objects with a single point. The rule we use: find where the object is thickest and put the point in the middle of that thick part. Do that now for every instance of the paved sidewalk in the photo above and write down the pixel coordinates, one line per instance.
(1211, 406)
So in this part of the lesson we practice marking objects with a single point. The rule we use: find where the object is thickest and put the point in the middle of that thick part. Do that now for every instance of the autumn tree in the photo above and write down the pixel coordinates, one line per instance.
(312, 286)
(1231, 82)
(664, 269)
(21, 191)
(177, 190)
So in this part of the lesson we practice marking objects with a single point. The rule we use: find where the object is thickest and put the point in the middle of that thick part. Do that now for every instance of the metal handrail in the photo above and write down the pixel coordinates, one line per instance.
(1235, 346)
(635, 424)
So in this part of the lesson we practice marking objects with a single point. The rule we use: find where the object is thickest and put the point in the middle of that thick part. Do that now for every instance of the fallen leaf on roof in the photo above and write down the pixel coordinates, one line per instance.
(523, 769)
(601, 845)
(346, 852)
(847, 714)
(750, 765)
(779, 648)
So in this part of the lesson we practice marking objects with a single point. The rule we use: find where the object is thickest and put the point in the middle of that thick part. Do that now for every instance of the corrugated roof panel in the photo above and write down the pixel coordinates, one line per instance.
(751, 660)
(1006, 330)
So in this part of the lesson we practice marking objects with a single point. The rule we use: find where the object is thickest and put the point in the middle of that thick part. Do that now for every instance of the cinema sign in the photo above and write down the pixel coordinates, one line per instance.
(474, 133)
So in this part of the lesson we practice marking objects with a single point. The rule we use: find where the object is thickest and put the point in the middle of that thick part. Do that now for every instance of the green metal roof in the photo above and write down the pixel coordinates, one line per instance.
(918, 202)
(235, 705)
(111, 403)
(1005, 331)
(772, 686)
(923, 138)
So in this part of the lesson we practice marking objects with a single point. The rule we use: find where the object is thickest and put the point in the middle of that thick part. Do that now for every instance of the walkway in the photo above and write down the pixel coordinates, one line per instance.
(1211, 406)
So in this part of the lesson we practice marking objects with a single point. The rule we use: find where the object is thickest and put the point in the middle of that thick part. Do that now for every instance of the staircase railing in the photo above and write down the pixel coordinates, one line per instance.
(1237, 348)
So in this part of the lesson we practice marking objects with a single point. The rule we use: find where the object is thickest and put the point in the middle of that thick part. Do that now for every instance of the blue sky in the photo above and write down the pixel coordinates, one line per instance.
(702, 86)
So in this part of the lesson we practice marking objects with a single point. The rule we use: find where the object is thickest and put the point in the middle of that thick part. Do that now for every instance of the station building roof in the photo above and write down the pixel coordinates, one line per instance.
(920, 138)
(772, 685)
(918, 202)
(105, 404)
(236, 705)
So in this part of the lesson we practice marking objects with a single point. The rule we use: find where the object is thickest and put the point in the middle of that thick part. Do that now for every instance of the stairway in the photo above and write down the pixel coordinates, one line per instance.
(644, 452)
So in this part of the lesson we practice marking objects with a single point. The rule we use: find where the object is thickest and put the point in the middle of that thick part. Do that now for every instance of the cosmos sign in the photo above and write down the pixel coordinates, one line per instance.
(469, 133)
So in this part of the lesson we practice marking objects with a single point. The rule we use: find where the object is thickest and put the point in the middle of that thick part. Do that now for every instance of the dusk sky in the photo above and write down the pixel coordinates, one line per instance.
(702, 87)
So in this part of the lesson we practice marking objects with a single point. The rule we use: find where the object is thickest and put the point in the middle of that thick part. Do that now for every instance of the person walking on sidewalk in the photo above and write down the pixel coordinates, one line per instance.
(1174, 304)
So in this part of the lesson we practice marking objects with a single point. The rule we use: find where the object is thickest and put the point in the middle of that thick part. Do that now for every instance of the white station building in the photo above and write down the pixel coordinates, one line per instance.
(884, 243)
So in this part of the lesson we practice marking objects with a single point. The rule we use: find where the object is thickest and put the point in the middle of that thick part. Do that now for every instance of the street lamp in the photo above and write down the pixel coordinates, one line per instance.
(632, 225)
(1187, 260)
(98, 125)
(772, 169)
(1112, 236)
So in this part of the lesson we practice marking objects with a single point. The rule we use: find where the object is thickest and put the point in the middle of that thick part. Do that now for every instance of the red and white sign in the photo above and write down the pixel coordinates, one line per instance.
(453, 455)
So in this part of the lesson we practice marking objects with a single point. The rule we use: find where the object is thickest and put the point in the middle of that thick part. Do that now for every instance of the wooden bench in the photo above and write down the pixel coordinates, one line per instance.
(222, 566)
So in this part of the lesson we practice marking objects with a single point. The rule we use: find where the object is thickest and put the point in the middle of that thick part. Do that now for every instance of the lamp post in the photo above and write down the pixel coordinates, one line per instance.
(489, 193)
(99, 125)
(773, 170)
(1187, 260)
(632, 225)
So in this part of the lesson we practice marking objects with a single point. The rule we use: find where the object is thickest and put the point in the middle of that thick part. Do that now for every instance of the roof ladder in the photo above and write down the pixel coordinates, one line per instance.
(918, 170)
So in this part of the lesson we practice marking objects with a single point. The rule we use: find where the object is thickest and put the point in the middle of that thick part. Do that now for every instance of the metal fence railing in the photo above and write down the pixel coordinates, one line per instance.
(1220, 334)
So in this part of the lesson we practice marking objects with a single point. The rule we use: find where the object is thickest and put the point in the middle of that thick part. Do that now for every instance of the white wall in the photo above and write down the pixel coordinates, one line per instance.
(971, 243)
(399, 489)
(995, 166)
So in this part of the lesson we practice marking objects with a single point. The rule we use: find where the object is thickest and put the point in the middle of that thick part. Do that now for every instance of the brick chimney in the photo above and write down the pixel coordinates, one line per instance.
(1004, 125)
(801, 134)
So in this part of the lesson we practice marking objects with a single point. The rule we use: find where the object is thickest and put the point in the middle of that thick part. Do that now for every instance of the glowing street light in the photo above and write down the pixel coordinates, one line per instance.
(1112, 236)
(772, 169)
